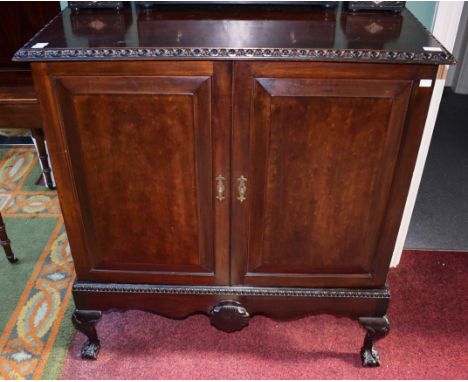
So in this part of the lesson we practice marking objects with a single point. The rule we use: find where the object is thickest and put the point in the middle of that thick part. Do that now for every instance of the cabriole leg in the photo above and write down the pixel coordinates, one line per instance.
(377, 328)
(85, 321)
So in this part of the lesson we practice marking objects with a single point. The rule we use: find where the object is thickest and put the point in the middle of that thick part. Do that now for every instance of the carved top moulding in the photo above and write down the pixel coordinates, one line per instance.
(235, 33)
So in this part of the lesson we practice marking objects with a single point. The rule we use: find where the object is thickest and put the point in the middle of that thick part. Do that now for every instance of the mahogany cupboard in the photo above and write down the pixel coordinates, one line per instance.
(234, 179)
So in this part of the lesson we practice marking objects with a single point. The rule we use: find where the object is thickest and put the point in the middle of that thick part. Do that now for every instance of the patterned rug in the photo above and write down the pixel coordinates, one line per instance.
(34, 293)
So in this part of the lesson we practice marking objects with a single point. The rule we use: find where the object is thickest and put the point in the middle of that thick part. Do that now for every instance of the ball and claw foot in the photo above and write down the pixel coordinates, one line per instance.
(377, 328)
(370, 357)
(90, 350)
(85, 321)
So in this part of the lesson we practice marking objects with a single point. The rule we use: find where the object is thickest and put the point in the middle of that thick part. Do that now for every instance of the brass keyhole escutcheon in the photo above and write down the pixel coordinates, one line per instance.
(242, 188)
(220, 188)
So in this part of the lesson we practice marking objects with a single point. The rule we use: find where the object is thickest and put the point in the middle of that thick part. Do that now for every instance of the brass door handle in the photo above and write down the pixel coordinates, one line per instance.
(241, 188)
(220, 188)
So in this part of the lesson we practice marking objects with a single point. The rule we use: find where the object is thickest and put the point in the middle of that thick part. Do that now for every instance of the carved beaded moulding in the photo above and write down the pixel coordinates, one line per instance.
(238, 291)
(351, 55)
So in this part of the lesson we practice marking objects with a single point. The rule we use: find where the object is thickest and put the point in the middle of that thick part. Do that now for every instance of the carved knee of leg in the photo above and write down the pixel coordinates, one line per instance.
(85, 322)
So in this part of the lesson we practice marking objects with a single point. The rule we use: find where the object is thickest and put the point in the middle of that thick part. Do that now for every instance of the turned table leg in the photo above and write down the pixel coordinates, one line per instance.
(38, 135)
(5, 242)
(85, 321)
(377, 328)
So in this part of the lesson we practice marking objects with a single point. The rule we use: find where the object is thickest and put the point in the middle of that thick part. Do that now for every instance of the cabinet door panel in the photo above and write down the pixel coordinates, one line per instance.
(142, 154)
(321, 160)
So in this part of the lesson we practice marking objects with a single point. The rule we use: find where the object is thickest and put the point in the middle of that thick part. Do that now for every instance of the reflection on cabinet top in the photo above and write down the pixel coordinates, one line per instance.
(235, 32)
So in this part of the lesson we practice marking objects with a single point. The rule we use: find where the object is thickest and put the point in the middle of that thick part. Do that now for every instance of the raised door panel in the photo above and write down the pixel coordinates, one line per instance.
(322, 154)
(142, 156)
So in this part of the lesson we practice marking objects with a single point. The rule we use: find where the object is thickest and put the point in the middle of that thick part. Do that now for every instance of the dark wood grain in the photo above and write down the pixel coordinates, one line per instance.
(320, 157)
(231, 186)
(142, 154)
(236, 33)
(19, 109)
(18, 101)
(19, 115)
(279, 303)
(326, 151)
(19, 21)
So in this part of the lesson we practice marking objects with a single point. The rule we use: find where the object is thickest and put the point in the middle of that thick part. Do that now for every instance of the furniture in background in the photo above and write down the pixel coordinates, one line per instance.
(19, 21)
(19, 112)
(5, 242)
(270, 163)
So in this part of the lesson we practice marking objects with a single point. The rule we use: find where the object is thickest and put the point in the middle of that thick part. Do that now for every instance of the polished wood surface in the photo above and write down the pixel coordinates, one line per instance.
(318, 145)
(324, 153)
(144, 142)
(279, 303)
(235, 32)
(19, 115)
(18, 101)
(19, 21)
(325, 189)
(238, 186)
(175, 26)
(19, 109)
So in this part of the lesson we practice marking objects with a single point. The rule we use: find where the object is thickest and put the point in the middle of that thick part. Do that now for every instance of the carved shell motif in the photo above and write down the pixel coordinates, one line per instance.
(229, 316)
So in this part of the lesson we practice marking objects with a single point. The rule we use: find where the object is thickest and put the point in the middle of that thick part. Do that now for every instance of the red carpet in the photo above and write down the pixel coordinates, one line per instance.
(428, 338)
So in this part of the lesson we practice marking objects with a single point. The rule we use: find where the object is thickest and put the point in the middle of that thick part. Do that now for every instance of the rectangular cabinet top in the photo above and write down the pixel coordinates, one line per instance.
(234, 32)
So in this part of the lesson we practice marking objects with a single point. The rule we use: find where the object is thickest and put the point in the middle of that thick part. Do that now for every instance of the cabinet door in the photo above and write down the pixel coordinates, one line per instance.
(137, 148)
(316, 147)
